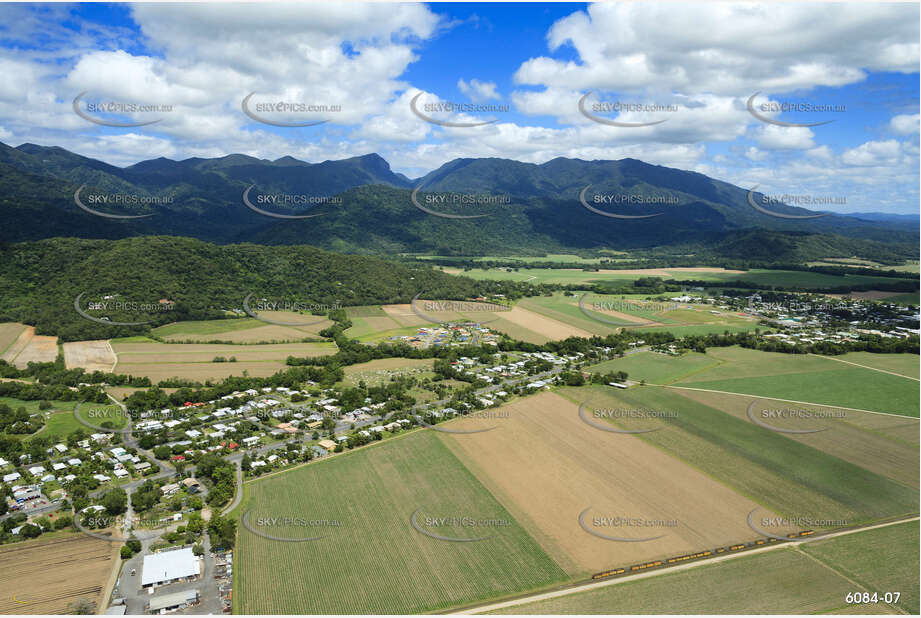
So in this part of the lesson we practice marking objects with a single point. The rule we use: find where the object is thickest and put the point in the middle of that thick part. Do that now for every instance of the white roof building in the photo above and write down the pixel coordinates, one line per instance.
(169, 566)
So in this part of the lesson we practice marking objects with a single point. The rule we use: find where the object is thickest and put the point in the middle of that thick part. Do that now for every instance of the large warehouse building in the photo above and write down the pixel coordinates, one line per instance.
(169, 566)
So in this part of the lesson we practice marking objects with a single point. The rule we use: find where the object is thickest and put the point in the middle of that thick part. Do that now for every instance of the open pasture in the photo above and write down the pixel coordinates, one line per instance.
(806, 378)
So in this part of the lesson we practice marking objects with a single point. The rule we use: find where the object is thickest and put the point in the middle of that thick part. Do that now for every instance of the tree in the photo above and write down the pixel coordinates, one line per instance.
(30, 531)
(115, 501)
(247, 463)
(126, 552)
(82, 607)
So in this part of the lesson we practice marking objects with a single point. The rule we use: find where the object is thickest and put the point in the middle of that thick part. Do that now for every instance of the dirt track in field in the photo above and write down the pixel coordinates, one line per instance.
(95, 355)
(547, 466)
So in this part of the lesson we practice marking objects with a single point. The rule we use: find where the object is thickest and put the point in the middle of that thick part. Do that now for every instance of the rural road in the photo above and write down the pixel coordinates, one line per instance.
(238, 494)
(674, 569)
(892, 373)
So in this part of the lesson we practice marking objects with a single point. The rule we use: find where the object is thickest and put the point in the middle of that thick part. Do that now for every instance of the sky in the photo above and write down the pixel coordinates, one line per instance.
(685, 73)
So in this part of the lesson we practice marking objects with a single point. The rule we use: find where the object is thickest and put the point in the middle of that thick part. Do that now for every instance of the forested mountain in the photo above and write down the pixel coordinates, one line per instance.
(374, 211)
(41, 280)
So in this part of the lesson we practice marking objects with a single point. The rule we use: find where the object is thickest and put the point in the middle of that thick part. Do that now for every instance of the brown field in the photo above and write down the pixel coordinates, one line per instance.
(29, 347)
(91, 355)
(847, 438)
(403, 315)
(120, 392)
(43, 577)
(157, 353)
(539, 324)
(547, 466)
(9, 332)
(201, 371)
(193, 361)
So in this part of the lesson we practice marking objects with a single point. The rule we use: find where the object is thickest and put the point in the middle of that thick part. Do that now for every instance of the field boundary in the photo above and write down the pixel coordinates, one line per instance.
(808, 403)
(592, 585)
(892, 373)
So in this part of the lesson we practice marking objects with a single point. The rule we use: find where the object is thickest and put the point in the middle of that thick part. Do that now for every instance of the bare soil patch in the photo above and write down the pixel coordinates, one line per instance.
(547, 466)
(43, 577)
(92, 356)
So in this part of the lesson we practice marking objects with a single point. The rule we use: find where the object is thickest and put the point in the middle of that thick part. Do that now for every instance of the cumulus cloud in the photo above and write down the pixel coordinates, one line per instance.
(478, 91)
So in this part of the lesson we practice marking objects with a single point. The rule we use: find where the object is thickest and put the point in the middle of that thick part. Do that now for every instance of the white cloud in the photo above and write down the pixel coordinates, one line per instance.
(905, 124)
(478, 91)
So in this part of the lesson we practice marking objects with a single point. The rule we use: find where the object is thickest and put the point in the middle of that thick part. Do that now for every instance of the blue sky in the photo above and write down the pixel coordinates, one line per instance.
(701, 62)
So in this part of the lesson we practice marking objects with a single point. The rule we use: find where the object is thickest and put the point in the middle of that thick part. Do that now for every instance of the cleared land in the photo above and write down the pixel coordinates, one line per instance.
(807, 378)
(160, 361)
(90, 355)
(842, 433)
(777, 582)
(403, 315)
(657, 368)
(377, 371)
(543, 328)
(29, 347)
(881, 560)
(374, 561)
(44, 576)
(9, 332)
(782, 474)
(548, 466)
(246, 330)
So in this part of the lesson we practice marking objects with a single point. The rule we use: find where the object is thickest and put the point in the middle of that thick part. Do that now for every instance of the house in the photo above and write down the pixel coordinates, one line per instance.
(329, 445)
(36, 470)
(251, 441)
(12, 476)
(169, 489)
(60, 448)
(57, 467)
(192, 485)
(172, 601)
(121, 474)
(73, 461)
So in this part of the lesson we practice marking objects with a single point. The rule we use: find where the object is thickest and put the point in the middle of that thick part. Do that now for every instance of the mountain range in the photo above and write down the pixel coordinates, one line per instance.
(377, 211)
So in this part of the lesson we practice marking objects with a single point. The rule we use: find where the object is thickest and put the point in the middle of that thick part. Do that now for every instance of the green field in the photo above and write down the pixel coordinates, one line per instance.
(207, 327)
(904, 364)
(761, 277)
(881, 560)
(807, 378)
(783, 581)
(374, 561)
(786, 476)
(657, 368)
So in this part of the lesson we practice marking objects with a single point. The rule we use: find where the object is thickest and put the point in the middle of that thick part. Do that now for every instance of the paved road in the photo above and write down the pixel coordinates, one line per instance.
(238, 494)
(490, 607)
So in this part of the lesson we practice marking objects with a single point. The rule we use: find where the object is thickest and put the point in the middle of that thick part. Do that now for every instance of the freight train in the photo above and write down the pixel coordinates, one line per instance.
(701, 554)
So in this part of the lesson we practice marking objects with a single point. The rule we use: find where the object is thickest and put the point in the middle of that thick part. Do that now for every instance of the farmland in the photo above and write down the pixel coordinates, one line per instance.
(549, 466)
(29, 347)
(374, 561)
(781, 474)
(657, 368)
(858, 437)
(373, 373)
(782, 581)
(90, 355)
(246, 330)
(44, 576)
(810, 378)
(885, 559)
(9, 332)
(160, 361)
